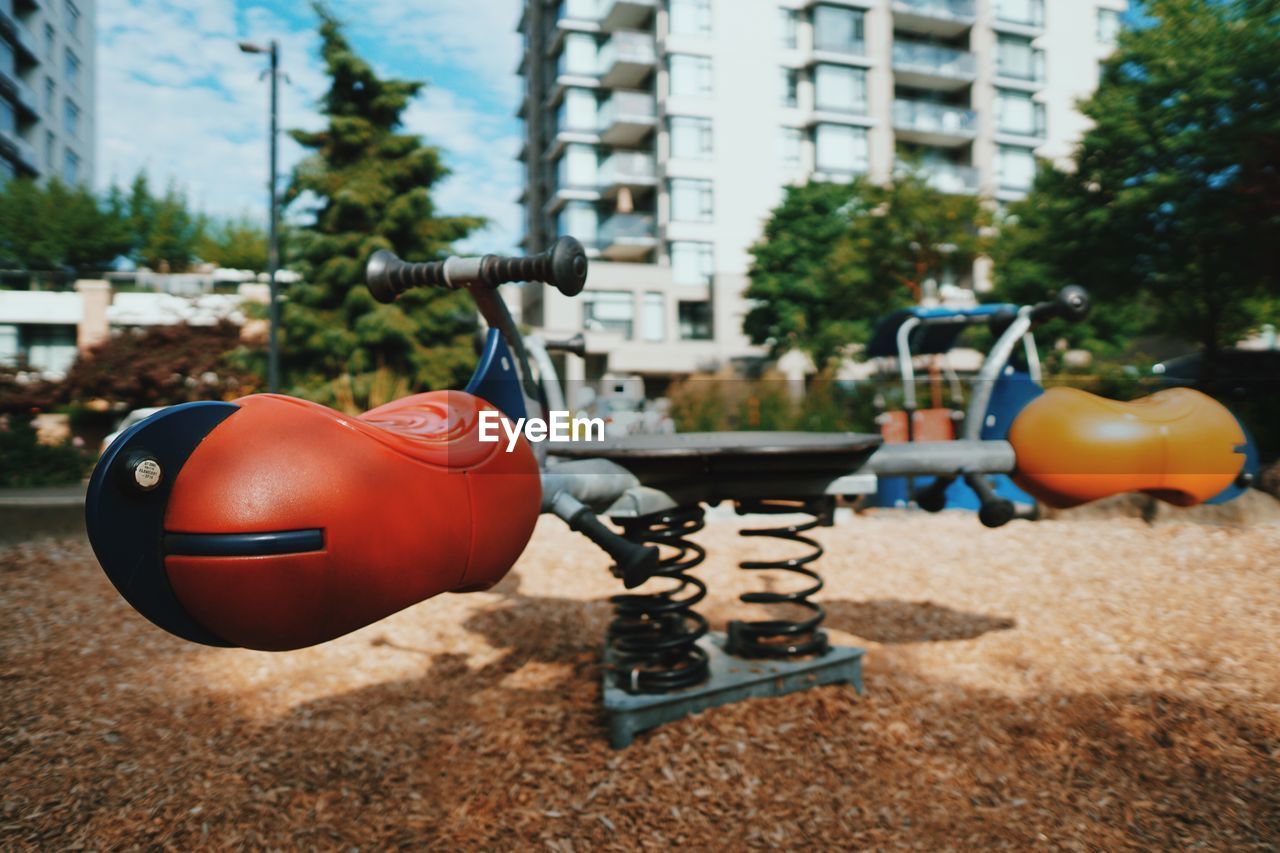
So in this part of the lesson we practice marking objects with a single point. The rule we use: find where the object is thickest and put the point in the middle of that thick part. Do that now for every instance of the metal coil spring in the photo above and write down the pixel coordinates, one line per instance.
(781, 638)
(652, 640)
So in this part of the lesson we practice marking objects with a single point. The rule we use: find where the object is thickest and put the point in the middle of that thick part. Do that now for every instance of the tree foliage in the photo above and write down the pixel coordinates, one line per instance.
(164, 230)
(161, 366)
(835, 257)
(1171, 214)
(238, 243)
(367, 186)
(57, 228)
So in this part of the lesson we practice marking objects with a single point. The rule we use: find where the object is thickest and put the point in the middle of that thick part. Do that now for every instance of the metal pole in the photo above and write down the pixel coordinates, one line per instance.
(273, 238)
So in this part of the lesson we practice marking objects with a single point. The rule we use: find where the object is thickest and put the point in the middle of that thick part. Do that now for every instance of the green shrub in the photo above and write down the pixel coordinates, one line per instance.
(24, 461)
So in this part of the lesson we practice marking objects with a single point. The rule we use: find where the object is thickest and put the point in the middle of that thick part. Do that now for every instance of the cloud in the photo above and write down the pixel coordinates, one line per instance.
(179, 100)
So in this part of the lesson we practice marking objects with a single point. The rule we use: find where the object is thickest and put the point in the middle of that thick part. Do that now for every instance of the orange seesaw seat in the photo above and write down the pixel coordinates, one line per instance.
(1178, 445)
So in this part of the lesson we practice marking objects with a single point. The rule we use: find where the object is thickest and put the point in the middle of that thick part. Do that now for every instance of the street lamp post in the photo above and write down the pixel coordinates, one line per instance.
(273, 234)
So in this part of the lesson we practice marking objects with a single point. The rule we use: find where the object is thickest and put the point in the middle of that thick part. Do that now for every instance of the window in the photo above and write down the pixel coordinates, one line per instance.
(1015, 57)
(582, 10)
(1108, 25)
(1018, 112)
(73, 18)
(841, 149)
(1029, 12)
(8, 118)
(692, 263)
(71, 167)
(6, 173)
(790, 87)
(653, 318)
(690, 75)
(9, 348)
(50, 40)
(791, 145)
(690, 18)
(49, 348)
(578, 219)
(50, 95)
(695, 321)
(578, 167)
(580, 56)
(789, 21)
(837, 30)
(578, 111)
(608, 311)
(71, 118)
(72, 68)
(1017, 167)
(841, 89)
(6, 58)
(50, 150)
(690, 138)
(691, 200)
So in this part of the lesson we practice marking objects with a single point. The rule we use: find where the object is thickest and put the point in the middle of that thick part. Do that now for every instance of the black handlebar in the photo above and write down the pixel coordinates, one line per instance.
(1072, 303)
(577, 345)
(563, 266)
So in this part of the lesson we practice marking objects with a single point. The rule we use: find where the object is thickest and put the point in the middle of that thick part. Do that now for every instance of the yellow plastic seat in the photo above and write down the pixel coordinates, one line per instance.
(1178, 445)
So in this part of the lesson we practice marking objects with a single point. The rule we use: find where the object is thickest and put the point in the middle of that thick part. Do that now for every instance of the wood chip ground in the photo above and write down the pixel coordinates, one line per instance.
(1080, 683)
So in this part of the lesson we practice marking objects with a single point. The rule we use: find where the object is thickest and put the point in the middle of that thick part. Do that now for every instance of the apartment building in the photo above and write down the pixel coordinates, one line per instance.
(662, 133)
(47, 74)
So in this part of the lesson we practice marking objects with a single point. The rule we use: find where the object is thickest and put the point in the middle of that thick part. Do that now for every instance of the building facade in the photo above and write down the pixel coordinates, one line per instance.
(47, 97)
(663, 132)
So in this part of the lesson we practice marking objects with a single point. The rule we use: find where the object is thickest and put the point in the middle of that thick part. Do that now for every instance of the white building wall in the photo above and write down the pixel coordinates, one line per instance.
(746, 169)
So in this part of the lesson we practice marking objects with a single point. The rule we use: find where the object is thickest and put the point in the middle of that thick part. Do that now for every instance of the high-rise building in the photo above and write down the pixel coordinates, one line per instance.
(47, 74)
(662, 133)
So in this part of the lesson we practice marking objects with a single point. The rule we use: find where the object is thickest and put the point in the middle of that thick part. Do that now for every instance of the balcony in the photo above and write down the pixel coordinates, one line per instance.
(1020, 16)
(627, 118)
(627, 237)
(626, 59)
(23, 153)
(928, 66)
(569, 18)
(944, 18)
(627, 14)
(634, 170)
(927, 123)
(22, 96)
(18, 35)
(951, 178)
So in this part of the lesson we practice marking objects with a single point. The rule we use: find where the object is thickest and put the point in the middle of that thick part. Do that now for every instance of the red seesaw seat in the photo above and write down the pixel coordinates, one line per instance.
(409, 501)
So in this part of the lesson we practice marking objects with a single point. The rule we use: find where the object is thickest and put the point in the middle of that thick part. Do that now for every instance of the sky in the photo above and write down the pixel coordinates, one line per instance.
(178, 99)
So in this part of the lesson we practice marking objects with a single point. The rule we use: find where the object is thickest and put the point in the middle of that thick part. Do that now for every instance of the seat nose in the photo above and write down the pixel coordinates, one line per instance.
(1178, 445)
(126, 503)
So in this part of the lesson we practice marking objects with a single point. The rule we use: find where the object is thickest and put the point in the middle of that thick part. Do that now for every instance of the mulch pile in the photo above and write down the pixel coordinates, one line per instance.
(1075, 683)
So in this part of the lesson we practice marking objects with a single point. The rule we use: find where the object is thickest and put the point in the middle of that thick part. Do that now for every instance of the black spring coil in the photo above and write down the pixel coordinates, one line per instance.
(781, 638)
(652, 639)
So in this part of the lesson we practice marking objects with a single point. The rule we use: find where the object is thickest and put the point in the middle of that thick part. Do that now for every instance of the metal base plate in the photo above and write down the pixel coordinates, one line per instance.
(732, 679)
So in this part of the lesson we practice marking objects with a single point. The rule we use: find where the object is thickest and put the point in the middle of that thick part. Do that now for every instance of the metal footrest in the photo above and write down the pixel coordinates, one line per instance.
(732, 679)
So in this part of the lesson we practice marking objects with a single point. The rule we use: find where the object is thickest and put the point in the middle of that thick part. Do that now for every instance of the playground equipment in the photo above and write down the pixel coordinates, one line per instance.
(1009, 385)
(274, 523)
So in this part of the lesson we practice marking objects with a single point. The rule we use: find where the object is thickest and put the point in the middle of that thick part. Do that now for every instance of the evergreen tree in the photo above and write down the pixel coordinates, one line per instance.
(239, 243)
(165, 232)
(371, 187)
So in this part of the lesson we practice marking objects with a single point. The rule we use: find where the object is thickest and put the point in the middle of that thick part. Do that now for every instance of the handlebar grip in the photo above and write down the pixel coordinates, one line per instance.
(636, 563)
(1072, 303)
(563, 266)
(577, 345)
